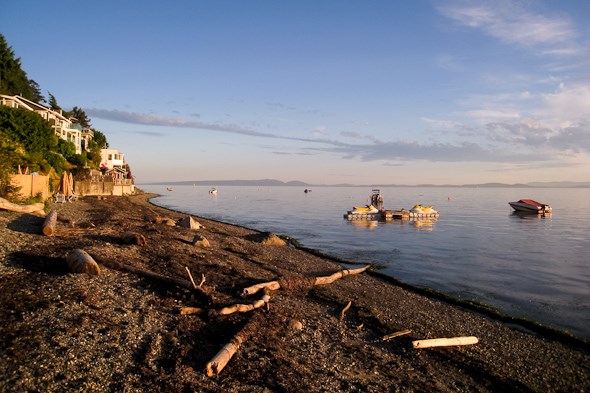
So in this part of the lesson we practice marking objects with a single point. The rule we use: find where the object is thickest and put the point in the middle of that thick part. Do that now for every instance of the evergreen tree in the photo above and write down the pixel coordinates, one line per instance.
(81, 116)
(53, 102)
(13, 80)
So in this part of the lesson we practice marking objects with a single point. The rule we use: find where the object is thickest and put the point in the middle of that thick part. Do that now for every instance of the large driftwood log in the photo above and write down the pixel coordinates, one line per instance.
(34, 208)
(274, 285)
(49, 224)
(220, 360)
(79, 261)
(445, 342)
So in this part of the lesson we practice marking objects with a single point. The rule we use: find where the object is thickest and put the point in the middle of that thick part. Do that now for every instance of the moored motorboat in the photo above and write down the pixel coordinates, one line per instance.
(530, 206)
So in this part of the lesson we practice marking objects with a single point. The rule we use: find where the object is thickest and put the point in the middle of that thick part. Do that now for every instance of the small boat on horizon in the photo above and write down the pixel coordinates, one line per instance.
(169, 188)
(530, 206)
(213, 191)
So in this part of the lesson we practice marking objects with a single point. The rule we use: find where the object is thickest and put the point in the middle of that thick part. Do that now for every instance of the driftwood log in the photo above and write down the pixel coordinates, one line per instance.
(79, 261)
(301, 282)
(36, 208)
(220, 360)
(50, 223)
(445, 342)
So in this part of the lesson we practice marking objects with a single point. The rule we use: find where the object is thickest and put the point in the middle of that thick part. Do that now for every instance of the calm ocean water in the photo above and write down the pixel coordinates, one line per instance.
(527, 266)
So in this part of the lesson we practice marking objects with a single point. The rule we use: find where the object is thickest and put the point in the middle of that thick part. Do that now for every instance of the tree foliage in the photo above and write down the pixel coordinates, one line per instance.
(80, 116)
(13, 80)
(26, 139)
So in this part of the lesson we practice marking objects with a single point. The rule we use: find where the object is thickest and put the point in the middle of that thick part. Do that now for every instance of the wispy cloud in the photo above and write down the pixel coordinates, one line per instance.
(510, 22)
(158, 120)
(524, 133)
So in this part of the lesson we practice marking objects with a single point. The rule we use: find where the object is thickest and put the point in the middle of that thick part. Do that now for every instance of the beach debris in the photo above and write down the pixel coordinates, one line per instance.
(219, 361)
(79, 261)
(190, 310)
(193, 281)
(49, 223)
(344, 310)
(201, 241)
(268, 239)
(301, 282)
(189, 222)
(396, 334)
(295, 325)
(204, 292)
(244, 307)
(36, 208)
(445, 342)
(133, 238)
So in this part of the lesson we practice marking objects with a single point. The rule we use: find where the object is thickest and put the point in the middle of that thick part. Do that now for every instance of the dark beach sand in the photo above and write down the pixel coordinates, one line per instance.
(122, 331)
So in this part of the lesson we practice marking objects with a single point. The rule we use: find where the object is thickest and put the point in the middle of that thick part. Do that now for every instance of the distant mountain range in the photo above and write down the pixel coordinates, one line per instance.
(273, 182)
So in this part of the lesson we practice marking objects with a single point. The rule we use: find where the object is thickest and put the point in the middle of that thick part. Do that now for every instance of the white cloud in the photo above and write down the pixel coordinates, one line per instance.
(513, 24)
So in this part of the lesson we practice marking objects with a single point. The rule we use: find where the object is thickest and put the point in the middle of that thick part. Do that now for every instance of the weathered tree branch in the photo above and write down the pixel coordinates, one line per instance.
(245, 307)
(220, 360)
(295, 281)
(203, 292)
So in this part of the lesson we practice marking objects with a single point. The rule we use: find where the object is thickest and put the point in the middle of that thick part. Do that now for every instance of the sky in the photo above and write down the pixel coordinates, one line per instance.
(325, 92)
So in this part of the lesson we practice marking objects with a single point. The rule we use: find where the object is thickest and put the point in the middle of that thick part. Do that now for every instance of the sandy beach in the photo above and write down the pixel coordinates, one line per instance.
(123, 330)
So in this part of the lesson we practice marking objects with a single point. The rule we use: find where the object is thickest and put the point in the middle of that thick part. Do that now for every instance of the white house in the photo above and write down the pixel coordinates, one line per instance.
(64, 128)
(111, 158)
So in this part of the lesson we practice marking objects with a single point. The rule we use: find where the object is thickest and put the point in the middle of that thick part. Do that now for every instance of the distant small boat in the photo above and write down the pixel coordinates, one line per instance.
(169, 188)
(530, 206)
(213, 191)
(307, 190)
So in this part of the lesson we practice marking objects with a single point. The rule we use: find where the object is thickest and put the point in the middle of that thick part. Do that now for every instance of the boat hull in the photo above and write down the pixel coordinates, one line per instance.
(528, 207)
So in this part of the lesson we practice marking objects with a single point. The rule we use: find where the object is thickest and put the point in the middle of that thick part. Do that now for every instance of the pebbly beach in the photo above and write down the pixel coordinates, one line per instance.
(157, 314)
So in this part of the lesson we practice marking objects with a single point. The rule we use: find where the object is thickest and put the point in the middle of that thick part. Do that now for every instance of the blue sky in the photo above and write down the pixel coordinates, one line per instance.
(361, 92)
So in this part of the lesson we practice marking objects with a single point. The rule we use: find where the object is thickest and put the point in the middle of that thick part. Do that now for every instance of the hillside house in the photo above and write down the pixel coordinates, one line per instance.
(65, 128)
(111, 158)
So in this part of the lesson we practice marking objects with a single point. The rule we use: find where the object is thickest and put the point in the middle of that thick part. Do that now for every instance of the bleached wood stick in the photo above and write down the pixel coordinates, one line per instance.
(271, 286)
(396, 334)
(344, 310)
(342, 273)
(445, 342)
(191, 277)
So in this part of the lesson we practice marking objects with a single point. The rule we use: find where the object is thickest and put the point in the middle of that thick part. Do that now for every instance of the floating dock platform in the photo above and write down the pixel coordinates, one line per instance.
(390, 215)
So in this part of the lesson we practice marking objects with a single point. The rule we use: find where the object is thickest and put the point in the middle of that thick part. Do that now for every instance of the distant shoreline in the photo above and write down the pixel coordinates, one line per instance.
(279, 183)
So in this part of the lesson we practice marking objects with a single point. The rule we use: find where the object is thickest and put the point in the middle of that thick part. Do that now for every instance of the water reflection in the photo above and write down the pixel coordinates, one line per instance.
(424, 224)
(371, 224)
(532, 216)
